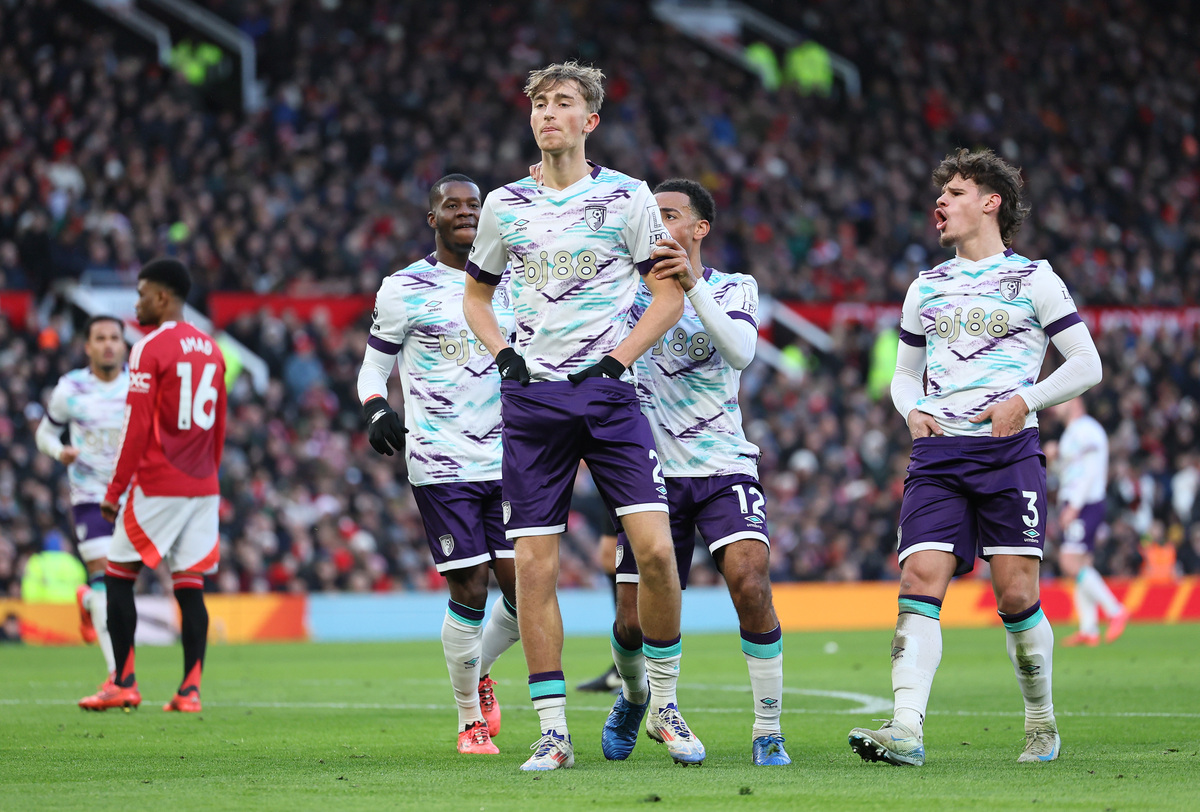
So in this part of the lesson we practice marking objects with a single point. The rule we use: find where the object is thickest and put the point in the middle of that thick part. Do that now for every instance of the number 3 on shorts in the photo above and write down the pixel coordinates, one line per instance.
(1032, 519)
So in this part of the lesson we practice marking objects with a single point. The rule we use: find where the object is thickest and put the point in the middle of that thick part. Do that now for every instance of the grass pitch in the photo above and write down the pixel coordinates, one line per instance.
(372, 726)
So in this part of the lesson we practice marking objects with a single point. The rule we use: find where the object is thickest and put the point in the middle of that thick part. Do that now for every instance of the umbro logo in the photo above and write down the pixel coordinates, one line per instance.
(769, 702)
(1031, 669)
(471, 663)
(432, 305)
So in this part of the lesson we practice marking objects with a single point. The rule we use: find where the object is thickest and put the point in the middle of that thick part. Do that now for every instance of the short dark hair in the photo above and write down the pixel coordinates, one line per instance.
(171, 274)
(436, 191)
(87, 326)
(699, 199)
(989, 171)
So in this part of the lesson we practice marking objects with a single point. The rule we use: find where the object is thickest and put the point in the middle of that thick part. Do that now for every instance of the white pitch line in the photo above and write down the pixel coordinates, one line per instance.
(606, 708)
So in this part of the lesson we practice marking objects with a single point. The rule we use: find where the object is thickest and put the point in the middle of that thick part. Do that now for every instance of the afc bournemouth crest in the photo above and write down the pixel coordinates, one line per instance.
(620, 554)
(447, 542)
(507, 508)
(594, 216)
(1010, 287)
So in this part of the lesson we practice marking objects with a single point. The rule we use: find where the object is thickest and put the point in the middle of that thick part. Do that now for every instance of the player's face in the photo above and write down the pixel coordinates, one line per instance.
(456, 217)
(150, 303)
(560, 118)
(960, 210)
(105, 347)
(680, 219)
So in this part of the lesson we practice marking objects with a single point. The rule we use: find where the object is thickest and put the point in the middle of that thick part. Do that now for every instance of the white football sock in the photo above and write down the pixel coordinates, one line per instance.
(96, 604)
(1031, 650)
(1085, 607)
(631, 667)
(662, 671)
(916, 654)
(499, 634)
(462, 643)
(1093, 585)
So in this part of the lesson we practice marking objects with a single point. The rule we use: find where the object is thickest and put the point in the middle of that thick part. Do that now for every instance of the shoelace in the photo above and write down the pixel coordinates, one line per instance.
(671, 717)
(774, 744)
(487, 697)
(544, 745)
(1033, 736)
(479, 734)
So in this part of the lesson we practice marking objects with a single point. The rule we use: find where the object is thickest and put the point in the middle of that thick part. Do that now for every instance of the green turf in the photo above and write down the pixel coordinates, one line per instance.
(371, 726)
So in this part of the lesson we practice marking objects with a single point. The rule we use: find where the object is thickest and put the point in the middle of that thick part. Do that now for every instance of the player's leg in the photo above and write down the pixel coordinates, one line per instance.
(619, 735)
(502, 629)
(1011, 507)
(541, 457)
(121, 572)
(93, 536)
(195, 553)
(1030, 643)
(936, 541)
(1072, 565)
(1089, 585)
(745, 563)
(731, 516)
(620, 453)
(455, 528)
(606, 560)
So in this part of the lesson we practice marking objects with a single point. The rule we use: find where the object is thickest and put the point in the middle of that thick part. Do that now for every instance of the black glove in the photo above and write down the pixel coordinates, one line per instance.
(384, 428)
(512, 366)
(608, 367)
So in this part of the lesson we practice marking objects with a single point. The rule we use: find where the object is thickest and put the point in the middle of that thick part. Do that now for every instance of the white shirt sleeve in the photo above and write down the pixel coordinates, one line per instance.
(908, 382)
(1087, 464)
(643, 227)
(731, 324)
(489, 256)
(389, 327)
(1079, 372)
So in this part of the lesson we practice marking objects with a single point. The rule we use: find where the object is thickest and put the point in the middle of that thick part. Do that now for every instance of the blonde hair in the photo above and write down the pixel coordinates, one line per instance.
(590, 81)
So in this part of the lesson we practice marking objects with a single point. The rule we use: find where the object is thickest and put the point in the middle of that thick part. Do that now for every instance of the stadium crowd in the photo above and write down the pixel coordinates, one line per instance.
(106, 160)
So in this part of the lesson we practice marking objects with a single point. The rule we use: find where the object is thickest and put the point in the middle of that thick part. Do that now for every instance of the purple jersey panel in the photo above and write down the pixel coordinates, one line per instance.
(724, 509)
(550, 426)
(463, 523)
(974, 496)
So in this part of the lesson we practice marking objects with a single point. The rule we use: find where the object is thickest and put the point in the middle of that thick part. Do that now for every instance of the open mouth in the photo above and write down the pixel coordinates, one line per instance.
(939, 219)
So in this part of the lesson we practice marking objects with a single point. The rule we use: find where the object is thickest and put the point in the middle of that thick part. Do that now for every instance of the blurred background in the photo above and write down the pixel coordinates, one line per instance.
(284, 151)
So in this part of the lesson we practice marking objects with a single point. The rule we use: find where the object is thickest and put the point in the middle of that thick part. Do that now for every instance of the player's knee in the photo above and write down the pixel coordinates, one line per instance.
(656, 563)
(1017, 598)
(751, 593)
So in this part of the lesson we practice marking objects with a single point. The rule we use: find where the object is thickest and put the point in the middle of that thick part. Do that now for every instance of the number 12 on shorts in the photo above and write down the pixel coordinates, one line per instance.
(744, 503)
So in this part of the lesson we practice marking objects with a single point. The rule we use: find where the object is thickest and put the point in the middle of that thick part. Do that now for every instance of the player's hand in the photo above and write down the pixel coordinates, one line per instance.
(108, 510)
(608, 367)
(921, 425)
(512, 366)
(68, 455)
(535, 172)
(672, 260)
(384, 427)
(1008, 417)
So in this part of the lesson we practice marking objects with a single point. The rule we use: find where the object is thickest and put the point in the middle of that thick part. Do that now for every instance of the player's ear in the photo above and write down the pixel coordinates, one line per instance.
(701, 229)
(991, 202)
(591, 122)
(431, 218)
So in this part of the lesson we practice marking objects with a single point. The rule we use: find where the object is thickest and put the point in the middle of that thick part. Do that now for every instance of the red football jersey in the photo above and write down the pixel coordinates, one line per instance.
(174, 415)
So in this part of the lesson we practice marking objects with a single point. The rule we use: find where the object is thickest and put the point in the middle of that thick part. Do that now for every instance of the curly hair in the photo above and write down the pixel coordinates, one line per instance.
(991, 172)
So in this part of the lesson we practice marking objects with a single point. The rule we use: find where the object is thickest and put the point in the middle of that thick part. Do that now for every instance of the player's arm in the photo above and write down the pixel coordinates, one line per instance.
(50, 430)
(485, 269)
(219, 413)
(139, 417)
(1079, 372)
(908, 381)
(731, 325)
(385, 429)
(663, 312)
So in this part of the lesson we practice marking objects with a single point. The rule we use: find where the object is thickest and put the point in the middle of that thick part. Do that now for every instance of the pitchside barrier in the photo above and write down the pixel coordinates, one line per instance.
(418, 615)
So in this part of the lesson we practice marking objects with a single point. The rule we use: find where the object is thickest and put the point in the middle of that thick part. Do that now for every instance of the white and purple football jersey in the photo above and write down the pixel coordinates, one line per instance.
(451, 386)
(93, 412)
(985, 326)
(576, 255)
(1082, 463)
(689, 392)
